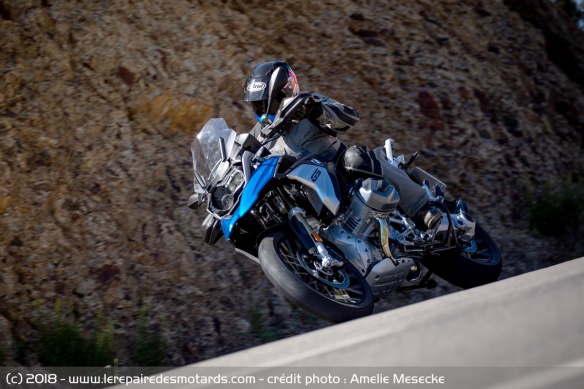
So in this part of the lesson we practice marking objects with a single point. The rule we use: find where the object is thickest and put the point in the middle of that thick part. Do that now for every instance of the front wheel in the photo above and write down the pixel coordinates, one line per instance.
(476, 265)
(337, 295)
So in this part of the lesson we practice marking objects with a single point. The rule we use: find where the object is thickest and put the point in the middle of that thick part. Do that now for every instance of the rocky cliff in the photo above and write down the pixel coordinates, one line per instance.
(99, 102)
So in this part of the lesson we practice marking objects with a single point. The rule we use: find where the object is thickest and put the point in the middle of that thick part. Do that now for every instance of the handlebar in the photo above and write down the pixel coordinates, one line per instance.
(283, 117)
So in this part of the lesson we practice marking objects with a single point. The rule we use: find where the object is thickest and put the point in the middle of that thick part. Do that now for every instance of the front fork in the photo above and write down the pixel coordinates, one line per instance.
(310, 238)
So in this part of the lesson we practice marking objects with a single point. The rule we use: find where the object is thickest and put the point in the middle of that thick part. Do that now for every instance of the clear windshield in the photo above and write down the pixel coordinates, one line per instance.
(205, 148)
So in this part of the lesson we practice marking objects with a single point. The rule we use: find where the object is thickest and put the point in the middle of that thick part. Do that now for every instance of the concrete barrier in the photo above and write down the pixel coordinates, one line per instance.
(525, 331)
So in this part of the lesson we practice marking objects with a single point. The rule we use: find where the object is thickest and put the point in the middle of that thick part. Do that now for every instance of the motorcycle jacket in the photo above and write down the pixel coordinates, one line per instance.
(316, 135)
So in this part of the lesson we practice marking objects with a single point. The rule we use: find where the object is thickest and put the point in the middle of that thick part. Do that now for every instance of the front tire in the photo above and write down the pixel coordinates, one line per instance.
(337, 297)
(477, 265)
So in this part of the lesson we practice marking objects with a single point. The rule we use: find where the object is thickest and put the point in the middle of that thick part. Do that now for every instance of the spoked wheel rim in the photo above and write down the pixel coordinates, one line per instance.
(480, 250)
(335, 284)
(469, 267)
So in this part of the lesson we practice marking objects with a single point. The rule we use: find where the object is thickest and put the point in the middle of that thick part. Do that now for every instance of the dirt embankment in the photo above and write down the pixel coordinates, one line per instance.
(99, 102)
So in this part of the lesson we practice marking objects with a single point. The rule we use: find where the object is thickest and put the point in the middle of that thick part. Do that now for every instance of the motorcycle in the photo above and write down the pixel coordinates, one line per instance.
(332, 245)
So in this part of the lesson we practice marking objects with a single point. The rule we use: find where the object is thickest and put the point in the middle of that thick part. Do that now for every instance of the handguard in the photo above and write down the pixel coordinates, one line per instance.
(283, 118)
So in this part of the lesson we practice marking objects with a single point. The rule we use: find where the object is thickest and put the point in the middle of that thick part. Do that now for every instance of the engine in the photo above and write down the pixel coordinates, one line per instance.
(374, 198)
(371, 203)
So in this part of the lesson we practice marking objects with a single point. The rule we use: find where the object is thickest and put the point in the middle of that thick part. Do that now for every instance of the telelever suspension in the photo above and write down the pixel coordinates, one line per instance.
(310, 238)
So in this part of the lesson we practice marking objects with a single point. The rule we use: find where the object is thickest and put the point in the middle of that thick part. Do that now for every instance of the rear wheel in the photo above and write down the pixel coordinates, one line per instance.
(478, 264)
(337, 294)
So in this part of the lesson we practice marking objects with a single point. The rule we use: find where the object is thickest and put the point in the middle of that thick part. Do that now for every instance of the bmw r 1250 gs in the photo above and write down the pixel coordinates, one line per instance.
(333, 246)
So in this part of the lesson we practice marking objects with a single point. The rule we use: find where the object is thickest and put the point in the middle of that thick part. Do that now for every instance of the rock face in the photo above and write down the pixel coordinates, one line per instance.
(99, 102)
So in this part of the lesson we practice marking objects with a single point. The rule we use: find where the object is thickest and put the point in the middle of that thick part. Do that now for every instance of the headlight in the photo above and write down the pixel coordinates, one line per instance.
(223, 196)
(222, 199)
(234, 181)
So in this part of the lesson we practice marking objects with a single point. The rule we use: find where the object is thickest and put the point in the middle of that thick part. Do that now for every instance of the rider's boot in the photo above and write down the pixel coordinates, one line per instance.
(414, 273)
(428, 217)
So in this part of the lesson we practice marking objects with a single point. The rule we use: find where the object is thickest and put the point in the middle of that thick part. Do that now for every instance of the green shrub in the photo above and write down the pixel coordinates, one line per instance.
(20, 352)
(63, 345)
(555, 210)
(263, 330)
(147, 348)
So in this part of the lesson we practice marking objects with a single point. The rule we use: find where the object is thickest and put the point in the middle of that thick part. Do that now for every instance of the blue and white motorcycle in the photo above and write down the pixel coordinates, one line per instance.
(333, 246)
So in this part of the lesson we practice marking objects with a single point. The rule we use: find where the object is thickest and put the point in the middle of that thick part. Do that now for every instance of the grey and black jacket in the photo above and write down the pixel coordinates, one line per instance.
(307, 137)
(314, 136)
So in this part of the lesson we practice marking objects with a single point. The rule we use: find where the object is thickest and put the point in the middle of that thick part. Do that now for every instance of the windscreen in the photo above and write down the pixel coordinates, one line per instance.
(205, 148)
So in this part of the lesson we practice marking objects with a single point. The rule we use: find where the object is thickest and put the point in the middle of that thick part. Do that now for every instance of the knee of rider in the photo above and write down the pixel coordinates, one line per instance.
(353, 157)
(359, 162)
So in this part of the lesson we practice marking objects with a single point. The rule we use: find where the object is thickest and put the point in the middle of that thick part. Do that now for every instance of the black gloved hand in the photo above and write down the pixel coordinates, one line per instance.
(310, 109)
(313, 109)
(299, 114)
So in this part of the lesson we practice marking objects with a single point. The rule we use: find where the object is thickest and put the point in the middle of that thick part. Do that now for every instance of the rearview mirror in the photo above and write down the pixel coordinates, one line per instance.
(196, 200)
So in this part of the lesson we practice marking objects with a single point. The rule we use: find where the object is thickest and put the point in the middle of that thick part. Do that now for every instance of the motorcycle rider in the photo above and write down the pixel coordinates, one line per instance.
(314, 130)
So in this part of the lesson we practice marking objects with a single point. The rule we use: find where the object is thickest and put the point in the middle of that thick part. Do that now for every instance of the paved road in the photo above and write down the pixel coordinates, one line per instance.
(522, 332)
